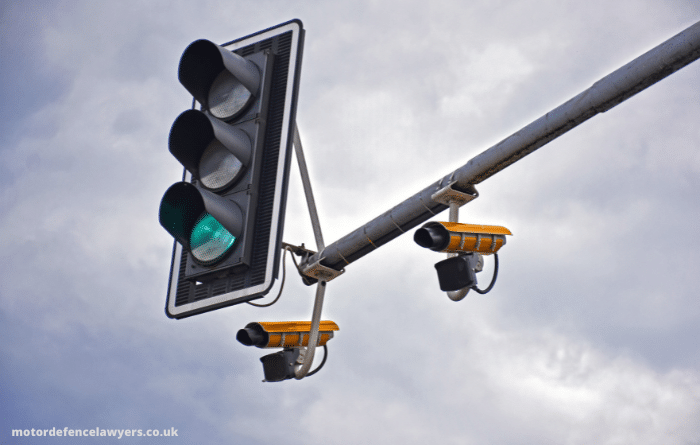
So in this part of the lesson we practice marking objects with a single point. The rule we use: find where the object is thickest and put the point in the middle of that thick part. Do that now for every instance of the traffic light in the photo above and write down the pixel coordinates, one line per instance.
(227, 214)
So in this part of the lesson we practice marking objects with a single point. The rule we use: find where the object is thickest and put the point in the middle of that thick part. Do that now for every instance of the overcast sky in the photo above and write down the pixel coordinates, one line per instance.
(590, 335)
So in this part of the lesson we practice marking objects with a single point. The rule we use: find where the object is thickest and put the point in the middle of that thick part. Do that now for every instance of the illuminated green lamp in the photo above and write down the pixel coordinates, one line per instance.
(210, 241)
(206, 224)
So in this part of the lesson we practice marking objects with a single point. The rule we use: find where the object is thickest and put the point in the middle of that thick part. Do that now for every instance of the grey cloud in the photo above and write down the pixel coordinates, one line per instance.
(587, 336)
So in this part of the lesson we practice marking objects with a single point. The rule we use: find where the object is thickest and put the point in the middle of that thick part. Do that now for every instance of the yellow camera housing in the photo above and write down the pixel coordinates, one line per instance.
(284, 334)
(455, 237)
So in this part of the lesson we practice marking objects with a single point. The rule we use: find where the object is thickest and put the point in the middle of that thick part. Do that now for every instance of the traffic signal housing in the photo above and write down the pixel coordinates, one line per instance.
(227, 213)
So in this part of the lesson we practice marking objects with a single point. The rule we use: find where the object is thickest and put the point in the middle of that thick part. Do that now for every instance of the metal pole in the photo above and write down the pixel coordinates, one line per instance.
(313, 335)
(301, 160)
(310, 350)
(642, 72)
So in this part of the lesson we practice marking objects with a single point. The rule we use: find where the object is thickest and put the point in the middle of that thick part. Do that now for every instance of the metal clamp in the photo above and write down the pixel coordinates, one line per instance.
(449, 195)
(320, 272)
(301, 251)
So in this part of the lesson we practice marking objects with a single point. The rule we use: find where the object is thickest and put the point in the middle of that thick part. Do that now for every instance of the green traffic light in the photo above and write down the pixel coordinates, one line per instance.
(209, 240)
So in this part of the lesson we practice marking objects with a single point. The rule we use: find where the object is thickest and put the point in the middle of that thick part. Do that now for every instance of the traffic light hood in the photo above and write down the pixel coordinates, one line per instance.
(184, 204)
(204, 61)
(194, 131)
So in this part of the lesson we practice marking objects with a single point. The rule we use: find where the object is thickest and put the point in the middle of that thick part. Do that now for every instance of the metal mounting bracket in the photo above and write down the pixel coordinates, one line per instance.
(308, 353)
(449, 195)
(455, 199)
(320, 272)
(301, 251)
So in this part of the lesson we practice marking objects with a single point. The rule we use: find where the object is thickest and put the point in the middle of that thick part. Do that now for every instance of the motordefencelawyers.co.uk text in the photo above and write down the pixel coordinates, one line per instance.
(95, 432)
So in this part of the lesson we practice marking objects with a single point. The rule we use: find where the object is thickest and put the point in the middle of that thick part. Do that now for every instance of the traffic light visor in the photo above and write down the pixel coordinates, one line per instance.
(222, 81)
(204, 223)
(214, 152)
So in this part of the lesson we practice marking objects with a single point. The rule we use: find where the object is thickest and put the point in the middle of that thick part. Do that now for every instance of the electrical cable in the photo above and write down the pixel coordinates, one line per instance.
(323, 362)
(284, 277)
(493, 280)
